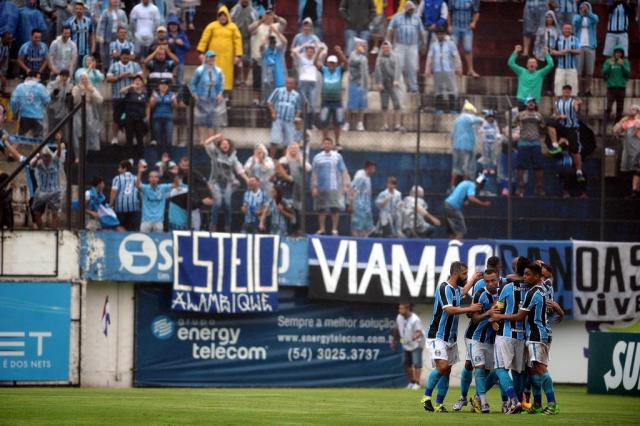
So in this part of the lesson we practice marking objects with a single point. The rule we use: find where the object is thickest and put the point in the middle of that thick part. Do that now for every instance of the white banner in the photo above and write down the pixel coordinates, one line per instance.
(606, 281)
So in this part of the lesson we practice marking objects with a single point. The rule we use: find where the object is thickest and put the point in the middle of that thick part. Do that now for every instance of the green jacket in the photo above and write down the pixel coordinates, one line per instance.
(530, 83)
(616, 75)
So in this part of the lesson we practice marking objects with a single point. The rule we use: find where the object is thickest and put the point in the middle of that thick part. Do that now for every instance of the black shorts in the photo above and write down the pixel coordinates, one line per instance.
(129, 220)
(117, 106)
(571, 134)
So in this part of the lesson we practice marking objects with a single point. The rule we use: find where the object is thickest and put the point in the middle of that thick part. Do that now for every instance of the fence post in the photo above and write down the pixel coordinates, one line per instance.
(510, 174)
(305, 142)
(190, 155)
(67, 164)
(603, 158)
(82, 156)
(417, 171)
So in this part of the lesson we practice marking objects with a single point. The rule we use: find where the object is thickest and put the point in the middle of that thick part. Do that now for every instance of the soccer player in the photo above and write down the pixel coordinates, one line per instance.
(443, 334)
(534, 310)
(409, 331)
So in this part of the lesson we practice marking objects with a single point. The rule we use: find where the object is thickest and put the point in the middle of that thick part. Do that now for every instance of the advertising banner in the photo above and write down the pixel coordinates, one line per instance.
(613, 363)
(387, 270)
(556, 254)
(294, 347)
(225, 273)
(606, 284)
(34, 331)
(138, 257)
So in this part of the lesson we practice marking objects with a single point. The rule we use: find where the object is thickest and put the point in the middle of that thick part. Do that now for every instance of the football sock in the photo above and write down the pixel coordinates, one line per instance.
(492, 379)
(465, 381)
(536, 387)
(505, 383)
(547, 386)
(432, 381)
(481, 386)
(517, 383)
(443, 387)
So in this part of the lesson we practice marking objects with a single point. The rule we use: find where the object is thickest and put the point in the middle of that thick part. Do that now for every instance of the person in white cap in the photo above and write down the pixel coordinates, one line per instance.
(463, 136)
(406, 33)
(464, 191)
(331, 108)
(309, 34)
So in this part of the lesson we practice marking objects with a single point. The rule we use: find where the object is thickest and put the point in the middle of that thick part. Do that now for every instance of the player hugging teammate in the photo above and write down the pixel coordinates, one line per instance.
(507, 341)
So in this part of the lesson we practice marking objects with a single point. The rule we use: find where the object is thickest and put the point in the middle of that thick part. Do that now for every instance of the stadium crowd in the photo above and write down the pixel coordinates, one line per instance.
(63, 51)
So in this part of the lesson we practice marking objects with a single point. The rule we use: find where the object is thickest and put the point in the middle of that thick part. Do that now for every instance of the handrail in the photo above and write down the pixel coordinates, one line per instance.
(44, 142)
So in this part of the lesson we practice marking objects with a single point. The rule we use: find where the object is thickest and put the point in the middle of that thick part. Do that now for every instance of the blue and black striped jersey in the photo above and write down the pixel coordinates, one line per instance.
(444, 326)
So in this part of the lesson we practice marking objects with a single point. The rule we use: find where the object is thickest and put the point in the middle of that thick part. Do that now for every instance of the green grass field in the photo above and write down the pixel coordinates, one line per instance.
(121, 407)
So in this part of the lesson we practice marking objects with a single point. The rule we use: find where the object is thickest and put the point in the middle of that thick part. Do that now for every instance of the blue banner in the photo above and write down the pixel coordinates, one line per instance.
(34, 331)
(557, 254)
(225, 273)
(138, 257)
(387, 270)
(294, 347)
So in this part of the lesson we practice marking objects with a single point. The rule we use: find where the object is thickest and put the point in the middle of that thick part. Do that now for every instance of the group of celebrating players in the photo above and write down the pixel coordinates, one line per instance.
(509, 331)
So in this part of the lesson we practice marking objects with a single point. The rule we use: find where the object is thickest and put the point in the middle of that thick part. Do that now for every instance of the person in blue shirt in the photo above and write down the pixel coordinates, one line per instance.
(284, 104)
(533, 311)
(585, 27)
(162, 102)
(442, 334)
(253, 204)
(33, 55)
(280, 211)
(207, 85)
(154, 200)
(463, 18)
(443, 62)
(125, 198)
(28, 101)
(463, 192)
(566, 51)
(331, 107)
(274, 68)
(619, 14)
(360, 201)
(179, 43)
(30, 19)
(433, 14)
(463, 136)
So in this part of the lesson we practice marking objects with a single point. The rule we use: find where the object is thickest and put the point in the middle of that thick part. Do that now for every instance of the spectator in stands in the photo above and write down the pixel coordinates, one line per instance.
(434, 14)
(360, 196)
(33, 55)
(89, 68)
(358, 85)
(61, 11)
(224, 38)
(59, 92)
(387, 80)
(243, 14)
(162, 102)
(567, 51)
(566, 126)
(207, 86)
(225, 168)
(565, 10)
(284, 104)
(274, 70)
(463, 136)
(99, 214)
(377, 27)
(178, 215)
(305, 57)
(159, 66)
(125, 198)
(490, 138)
(121, 74)
(406, 33)
(546, 40)
(629, 129)
(616, 71)
(389, 202)
(329, 184)
(331, 109)
(443, 62)
(94, 115)
(144, 19)
(30, 19)
(63, 53)
(167, 168)
(162, 40)
(532, 126)
(533, 15)
(463, 18)
(28, 102)
(135, 110)
(201, 190)
(253, 205)
(420, 228)
(260, 166)
(530, 78)
(306, 36)
(178, 43)
(358, 15)
(310, 13)
(585, 25)
(119, 44)
(617, 27)
(260, 31)
(165, 8)
(48, 194)
(82, 32)
(291, 169)
(154, 199)
(109, 23)
(464, 192)
(280, 211)
(6, 39)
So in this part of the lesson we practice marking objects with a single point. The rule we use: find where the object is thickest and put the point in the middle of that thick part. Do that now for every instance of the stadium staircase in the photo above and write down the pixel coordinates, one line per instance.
(499, 30)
